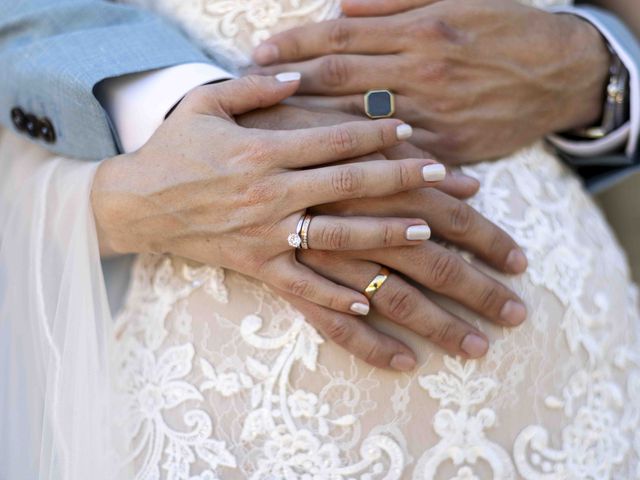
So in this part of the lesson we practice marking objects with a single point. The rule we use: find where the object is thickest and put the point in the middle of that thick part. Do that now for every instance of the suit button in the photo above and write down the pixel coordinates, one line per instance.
(31, 125)
(17, 117)
(46, 131)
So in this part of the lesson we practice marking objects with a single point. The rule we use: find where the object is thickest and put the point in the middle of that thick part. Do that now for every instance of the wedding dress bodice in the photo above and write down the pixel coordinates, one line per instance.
(220, 378)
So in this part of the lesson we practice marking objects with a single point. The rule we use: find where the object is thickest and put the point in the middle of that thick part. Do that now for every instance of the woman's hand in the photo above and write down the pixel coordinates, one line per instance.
(207, 189)
(481, 78)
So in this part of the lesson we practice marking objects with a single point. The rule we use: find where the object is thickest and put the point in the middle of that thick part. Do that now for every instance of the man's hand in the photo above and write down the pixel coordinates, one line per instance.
(429, 264)
(481, 78)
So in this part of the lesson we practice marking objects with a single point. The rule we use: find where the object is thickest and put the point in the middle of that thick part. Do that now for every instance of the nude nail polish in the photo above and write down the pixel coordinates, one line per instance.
(418, 232)
(474, 345)
(404, 131)
(285, 77)
(359, 308)
(513, 313)
(402, 362)
(434, 172)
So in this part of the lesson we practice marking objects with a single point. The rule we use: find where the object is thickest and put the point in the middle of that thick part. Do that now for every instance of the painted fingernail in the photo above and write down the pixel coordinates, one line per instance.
(404, 131)
(434, 172)
(513, 313)
(285, 77)
(516, 261)
(402, 362)
(474, 345)
(266, 53)
(359, 308)
(418, 232)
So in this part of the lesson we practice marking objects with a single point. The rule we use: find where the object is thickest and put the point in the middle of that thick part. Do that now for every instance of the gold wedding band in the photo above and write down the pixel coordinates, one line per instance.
(377, 282)
(304, 232)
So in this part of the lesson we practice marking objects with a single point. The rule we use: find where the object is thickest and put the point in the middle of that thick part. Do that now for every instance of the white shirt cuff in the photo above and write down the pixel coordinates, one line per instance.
(138, 103)
(628, 133)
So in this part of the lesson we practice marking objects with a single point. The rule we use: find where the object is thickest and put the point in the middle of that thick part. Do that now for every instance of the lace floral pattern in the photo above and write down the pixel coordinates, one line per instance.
(220, 378)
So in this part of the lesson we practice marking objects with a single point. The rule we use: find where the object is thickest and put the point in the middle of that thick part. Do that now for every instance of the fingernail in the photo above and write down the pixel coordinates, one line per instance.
(516, 261)
(434, 172)
(474, 345)
(285, 77)
(418, 232)
(513, 313)
(402, 362)
(266, 53)
(403, 131)
(359, 308)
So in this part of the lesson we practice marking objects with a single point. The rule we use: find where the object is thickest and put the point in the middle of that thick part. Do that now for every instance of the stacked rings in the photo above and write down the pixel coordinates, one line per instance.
(304, 232)
(294, 239)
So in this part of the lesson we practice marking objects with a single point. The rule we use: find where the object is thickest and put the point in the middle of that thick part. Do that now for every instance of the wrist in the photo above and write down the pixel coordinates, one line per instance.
(590, 62)
(109, 204)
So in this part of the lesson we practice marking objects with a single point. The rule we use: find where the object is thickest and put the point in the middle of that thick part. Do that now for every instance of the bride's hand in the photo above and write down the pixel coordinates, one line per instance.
(207, 189)
(477, 78)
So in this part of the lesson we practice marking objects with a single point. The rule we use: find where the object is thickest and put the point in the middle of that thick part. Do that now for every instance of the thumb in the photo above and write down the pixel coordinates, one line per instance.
(243, 95)
(378, 8)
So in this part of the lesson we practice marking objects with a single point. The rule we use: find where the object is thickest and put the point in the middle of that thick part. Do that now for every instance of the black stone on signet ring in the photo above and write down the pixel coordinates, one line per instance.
(379, 104)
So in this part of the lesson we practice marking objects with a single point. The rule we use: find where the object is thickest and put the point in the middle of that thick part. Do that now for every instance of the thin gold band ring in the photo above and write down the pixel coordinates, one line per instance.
(377, 282)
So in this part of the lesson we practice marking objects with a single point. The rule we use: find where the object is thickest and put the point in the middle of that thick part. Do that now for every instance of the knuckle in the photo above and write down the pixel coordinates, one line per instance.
(434, 28)
(336, 237)
(445, 270)
(435, 71)
(443, 333)
(461, 219)
(373, 354)
(387, 235)
(334, 71)
(339, 330)
(401, 306)
(402, 175)
(343, 141)
(347, 181)
(301, 288)
(339, 36)
(260, 193)
(490, 300)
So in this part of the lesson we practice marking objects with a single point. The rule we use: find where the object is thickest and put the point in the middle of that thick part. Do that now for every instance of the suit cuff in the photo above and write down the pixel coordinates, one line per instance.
(138, 103)
(625, 138)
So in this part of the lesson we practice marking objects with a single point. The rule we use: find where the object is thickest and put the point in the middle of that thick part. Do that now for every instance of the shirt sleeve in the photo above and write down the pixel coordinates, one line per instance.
(625, 138)
(138, 103)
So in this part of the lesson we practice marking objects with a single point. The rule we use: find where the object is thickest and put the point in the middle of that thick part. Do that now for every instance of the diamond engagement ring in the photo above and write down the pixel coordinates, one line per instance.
(294, 240)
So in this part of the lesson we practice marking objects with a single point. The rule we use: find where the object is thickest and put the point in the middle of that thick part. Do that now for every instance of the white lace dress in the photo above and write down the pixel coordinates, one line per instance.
(219, 378)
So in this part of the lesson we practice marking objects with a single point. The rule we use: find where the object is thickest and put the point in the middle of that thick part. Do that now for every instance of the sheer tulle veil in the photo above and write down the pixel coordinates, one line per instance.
(54, 321)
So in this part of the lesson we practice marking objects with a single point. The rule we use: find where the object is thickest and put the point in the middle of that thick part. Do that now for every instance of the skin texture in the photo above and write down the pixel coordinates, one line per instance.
(153, 201)
(427, 264)
(477, 79)
(234, 205)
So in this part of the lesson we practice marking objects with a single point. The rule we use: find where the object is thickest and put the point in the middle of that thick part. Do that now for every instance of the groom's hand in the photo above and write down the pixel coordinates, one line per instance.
(481, 78)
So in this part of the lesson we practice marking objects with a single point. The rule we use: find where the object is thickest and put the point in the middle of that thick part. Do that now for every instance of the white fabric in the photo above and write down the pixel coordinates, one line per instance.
(138, 103)
(628, 134)
(55, 323)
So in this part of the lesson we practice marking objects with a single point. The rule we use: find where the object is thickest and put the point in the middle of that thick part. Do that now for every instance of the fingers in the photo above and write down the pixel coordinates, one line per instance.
(235, 97)
(344, 74)
(375, 178)
(356, 337)
(460, 224)
(290, 276)
(445, 272)
(404, 305)
(363, 36)
(321, 145)
(360, 233)
(370, 8)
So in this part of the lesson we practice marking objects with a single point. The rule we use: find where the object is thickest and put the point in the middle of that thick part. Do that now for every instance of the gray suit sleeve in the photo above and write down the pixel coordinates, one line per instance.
(53, 53)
